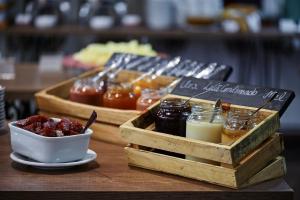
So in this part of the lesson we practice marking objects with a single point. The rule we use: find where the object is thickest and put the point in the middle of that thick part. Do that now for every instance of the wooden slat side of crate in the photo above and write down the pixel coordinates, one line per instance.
(256, 136)
(197, 148)
(274, 170)
(52, 103)
(261, 156)
(101, 131)
(55, 99)
(186, 168)
(230, 177)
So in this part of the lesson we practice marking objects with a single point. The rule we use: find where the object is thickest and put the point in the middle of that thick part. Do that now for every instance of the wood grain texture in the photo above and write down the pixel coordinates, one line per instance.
(273, 170)
(109, 177)
(29, 80)
(233, 177)
(259, 158)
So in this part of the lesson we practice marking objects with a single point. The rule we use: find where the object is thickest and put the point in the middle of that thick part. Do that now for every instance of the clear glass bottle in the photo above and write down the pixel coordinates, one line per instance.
(238, 123)
(199, 127)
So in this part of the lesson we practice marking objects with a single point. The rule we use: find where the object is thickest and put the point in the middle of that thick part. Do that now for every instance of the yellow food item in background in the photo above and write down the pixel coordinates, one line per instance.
(98, 54)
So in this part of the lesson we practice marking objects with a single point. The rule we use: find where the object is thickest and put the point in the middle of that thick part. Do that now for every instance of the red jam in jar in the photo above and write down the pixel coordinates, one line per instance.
(172, 115)
(119, 97)
(88, 92)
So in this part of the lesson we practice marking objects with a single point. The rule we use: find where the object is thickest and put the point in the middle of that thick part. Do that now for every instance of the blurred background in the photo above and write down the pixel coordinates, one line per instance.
(53, 40)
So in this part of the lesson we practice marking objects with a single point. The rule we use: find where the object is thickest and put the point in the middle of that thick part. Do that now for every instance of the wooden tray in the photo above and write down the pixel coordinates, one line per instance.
(239, 161)
(55, 100)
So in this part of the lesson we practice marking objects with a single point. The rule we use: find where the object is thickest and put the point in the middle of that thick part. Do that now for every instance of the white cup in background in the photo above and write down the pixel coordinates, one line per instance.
(160, 14)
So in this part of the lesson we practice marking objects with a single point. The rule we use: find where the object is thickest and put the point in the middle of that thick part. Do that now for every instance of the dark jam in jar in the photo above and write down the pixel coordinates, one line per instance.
(171, 116)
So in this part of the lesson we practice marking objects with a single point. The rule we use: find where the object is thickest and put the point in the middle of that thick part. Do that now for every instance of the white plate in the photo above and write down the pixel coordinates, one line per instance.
(90, 156)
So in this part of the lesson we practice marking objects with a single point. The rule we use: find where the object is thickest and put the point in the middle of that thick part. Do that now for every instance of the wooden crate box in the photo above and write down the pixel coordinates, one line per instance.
(241, 160)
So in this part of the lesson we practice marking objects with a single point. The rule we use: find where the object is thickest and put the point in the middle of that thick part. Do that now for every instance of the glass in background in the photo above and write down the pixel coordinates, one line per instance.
(203, 11)
(7, 68)
(47, 14)
(160, 14)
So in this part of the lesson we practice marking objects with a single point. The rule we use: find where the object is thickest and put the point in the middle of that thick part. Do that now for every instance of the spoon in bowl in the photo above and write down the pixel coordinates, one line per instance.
(90, 121)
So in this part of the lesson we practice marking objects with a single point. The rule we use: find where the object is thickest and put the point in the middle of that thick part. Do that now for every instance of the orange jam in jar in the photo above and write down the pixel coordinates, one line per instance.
(146, 83)
(119, 97)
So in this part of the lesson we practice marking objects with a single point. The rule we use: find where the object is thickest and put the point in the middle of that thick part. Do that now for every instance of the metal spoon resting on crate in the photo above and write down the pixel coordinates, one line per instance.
(258, 109)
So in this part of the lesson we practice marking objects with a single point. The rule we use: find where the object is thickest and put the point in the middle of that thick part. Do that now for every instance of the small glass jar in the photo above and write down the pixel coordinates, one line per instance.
(148, 98)
(171, 116)
(88, 92)
(205, 124)
(238, 123)
(119, 97)
(145, 83)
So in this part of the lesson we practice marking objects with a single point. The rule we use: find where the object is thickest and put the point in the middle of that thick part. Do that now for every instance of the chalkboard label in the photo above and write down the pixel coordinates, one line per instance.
(252, 96)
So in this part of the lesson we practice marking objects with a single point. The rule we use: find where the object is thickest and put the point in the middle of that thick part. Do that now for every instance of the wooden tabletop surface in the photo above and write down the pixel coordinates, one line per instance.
(29, 79)
(109, 177)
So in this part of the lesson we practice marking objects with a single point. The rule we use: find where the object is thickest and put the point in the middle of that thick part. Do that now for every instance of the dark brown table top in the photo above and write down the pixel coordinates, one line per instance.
(109, 177)
(29, 80)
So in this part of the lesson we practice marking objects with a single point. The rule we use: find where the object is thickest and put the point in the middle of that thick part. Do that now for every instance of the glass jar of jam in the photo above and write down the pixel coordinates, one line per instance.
(88, 92)
(119, 97)
(171, 116)
(205, 124)
(148, 98)
(238, 123)
(145, 83)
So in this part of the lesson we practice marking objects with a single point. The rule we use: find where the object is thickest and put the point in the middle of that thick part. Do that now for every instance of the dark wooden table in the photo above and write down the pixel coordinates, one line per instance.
(109, 177)
(29, 79)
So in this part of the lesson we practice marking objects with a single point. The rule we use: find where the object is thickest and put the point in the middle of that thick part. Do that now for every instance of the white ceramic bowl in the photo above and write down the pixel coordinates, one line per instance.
(49, 149)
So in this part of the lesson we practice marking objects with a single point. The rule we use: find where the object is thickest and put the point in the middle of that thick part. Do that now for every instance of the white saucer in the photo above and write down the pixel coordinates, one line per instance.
(90, 156)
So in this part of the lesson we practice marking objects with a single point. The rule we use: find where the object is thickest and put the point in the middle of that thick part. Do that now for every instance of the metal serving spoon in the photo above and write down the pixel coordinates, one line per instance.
(258, 109)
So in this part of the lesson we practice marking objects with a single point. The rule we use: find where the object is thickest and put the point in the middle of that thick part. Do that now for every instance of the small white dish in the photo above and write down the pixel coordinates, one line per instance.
(90, 156)
(49, 149)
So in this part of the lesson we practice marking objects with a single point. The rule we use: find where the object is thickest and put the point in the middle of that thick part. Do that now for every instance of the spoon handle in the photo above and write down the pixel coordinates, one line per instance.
(217, 105)
(266, 103)
(91, 120)
(258, 109)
